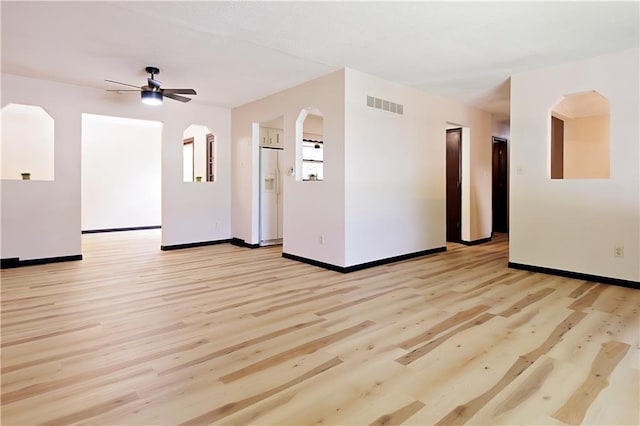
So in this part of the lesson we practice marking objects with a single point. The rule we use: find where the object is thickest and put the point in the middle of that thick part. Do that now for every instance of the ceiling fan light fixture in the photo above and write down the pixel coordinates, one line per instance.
(152, 93)
(150, 97)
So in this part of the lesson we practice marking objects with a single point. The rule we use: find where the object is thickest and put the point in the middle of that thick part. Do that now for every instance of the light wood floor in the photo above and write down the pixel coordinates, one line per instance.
(228, 335)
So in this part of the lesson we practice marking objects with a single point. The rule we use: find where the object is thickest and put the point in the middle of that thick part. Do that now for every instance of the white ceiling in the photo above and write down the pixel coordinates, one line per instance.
(236, 52)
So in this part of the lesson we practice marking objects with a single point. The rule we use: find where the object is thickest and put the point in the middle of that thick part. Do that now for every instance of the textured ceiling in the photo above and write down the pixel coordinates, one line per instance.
(236, 52)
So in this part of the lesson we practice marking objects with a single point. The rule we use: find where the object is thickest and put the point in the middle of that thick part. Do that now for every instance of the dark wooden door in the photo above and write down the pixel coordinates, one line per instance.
(454, 189)
(500, 186)
(557, 148)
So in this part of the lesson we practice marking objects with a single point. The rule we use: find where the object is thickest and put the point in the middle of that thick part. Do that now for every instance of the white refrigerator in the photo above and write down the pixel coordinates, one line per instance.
(271, 195)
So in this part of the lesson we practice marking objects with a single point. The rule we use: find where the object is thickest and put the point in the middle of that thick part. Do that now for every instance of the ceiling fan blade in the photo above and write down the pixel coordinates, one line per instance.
(124, 84)
(153, 83)
(181, 91)
(123, 90)
(176, 97)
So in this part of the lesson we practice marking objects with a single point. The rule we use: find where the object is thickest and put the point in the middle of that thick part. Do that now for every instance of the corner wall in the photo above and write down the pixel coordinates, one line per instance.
(42, 219)
(311, 209)
(395, 170)
(573, 224)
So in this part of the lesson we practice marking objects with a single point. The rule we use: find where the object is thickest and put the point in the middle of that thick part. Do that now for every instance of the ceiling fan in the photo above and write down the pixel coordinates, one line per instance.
(152, 93)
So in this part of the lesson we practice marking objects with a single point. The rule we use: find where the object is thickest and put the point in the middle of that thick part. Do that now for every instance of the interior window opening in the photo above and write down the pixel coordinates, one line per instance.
(27, 143)
(580, 137)
(198, 154)
(312, 146)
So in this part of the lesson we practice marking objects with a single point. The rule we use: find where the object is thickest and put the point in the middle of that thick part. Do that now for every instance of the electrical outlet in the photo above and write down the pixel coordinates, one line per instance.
(618, 251)
(321, 239)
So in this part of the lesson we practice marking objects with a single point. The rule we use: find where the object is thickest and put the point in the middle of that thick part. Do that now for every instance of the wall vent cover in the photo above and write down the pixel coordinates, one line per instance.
(385, 105)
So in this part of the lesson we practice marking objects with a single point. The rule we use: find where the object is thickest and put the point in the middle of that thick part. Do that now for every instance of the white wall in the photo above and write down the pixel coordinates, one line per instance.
(313, 124)
(311, 209)
(42, 219)
(383, 193)
(395, 170)
(195, 211)
(27, 142)
(120, 172)
(500, 127)
(277, 123)
(574, 224)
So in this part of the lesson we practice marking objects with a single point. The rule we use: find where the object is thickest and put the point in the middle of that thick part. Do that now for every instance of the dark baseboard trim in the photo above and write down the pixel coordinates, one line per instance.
(314, 262)
(353, 268)
(134, 228)
(191, 245)
(476, 242)
(9, 262)
(15, 262)
(576, 275)
(242, 243)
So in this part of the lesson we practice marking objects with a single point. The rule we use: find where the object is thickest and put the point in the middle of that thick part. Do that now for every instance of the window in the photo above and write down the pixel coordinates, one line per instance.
(27, 143)
(579, 137)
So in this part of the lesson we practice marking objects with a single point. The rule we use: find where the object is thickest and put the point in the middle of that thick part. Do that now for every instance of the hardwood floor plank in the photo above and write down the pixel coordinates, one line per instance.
(529, 299)
(527, 388)
(225, 410)
(399, 416)
(230, 349)
(428, 347)
(305, 348)
(47, 335)
(462, 413)
(227, 335)
(588, 299)
(356, 302)
(448, 323)
(573, 411)
(580, 290)
(94, 410)
(304, 300)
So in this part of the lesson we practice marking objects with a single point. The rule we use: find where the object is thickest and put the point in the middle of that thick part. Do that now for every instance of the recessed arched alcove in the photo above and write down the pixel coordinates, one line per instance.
(579, 137)
(27, 143)
(310, 145)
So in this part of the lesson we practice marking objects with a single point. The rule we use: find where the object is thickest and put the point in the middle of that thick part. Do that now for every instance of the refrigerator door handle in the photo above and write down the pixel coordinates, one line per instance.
(277, 179)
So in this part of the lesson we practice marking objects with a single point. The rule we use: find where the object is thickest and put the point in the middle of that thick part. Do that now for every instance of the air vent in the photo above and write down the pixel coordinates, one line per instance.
(385, 105)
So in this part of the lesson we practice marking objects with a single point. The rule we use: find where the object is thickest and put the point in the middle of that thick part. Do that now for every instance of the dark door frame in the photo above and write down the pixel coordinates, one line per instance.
(453, 179)
(500, 184)
(557, 148)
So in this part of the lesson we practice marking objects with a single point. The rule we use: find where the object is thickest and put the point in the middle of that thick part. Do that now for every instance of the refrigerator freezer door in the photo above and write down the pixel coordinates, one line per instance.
(270, 196)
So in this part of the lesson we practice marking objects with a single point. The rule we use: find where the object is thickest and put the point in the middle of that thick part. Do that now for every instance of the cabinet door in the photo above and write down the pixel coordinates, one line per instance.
(264, 136)
(277, 138)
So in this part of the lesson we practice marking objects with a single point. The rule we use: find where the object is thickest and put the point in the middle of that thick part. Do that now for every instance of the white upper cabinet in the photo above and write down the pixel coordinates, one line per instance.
(271, 137)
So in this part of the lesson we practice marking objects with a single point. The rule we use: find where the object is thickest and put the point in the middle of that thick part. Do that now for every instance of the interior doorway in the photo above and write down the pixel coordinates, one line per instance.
(500, 185)
(271, 148)
(454, 184)
(121, 173)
